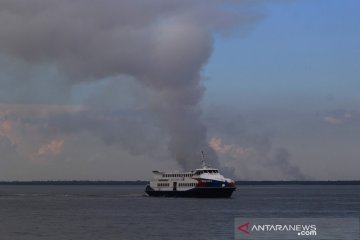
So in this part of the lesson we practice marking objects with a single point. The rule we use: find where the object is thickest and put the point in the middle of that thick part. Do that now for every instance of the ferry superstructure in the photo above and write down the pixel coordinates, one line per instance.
(204, 182)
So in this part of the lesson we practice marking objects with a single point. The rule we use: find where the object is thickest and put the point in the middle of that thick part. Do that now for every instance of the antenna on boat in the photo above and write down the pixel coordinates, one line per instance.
(203, 163)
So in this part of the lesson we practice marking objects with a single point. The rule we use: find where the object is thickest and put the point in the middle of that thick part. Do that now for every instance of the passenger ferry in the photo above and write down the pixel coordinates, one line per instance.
(203, 182)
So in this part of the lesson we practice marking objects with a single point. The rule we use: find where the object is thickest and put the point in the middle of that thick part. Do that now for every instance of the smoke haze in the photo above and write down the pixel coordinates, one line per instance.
(161, 44)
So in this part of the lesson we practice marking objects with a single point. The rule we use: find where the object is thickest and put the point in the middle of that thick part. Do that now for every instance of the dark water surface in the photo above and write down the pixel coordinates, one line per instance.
(122, 212)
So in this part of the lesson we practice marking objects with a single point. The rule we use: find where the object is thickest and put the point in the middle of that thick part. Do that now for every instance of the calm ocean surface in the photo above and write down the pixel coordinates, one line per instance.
(122, 212)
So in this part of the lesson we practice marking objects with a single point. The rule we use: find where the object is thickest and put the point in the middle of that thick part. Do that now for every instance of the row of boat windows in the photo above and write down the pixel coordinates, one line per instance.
(180, 184)
(178, 175)
(163, 184)
(206, 171)
(189, 174)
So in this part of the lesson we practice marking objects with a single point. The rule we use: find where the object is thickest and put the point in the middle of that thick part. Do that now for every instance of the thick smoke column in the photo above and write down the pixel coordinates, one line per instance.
(162, 44)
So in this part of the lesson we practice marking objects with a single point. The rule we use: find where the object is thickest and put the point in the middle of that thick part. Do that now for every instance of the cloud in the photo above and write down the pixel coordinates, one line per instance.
(56, 142)
(332, 120)
(339, 116)
(55, 147)
(229, 149)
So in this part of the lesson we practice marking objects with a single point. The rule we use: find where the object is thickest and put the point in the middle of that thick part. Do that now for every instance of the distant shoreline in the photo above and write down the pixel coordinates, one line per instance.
(140, 182)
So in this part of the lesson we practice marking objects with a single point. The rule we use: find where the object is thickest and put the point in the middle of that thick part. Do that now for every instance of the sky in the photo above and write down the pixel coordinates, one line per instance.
(114, 90)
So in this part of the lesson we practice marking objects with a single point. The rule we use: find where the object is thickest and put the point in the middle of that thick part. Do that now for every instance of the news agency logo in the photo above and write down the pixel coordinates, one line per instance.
(301, 230)
(244, 228)
(296, 228)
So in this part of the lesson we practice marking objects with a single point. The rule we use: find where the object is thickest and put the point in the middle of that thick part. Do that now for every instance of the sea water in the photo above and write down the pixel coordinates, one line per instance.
(123, 212)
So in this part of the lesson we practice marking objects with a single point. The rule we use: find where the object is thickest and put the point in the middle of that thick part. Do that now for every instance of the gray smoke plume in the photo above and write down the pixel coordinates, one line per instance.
(249, 146)
(162, 44)
(281, 159)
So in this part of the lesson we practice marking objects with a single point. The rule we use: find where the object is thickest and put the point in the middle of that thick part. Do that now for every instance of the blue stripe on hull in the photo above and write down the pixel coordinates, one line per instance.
(206, 192)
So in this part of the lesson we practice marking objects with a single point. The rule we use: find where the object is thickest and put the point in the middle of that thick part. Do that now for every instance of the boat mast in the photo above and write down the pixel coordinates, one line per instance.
(203, 163)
